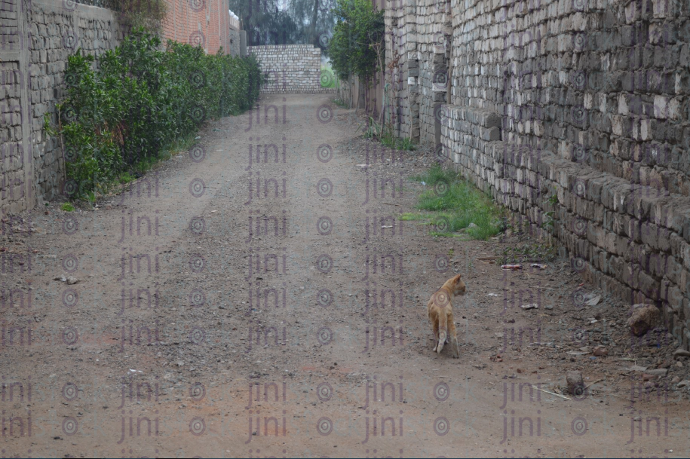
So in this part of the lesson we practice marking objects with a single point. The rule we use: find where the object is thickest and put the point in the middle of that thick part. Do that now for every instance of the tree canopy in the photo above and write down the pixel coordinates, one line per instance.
(277, 22)
(358, 37)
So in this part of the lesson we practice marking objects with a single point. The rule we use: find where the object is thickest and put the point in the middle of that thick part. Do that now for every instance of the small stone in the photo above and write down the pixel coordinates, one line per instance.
(675, 380)
(684, 383)
(644, 317)
(530, 306)
(657, 372)
(575, 383)
(681, 353)
(600, 351)
(679, 364)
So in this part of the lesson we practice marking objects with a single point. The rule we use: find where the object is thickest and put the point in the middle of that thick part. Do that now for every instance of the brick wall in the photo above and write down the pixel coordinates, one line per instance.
(291, 68)
(583, 99)
(204, 22)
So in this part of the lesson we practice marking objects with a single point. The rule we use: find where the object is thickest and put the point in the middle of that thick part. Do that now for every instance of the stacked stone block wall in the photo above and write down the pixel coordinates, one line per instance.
(290, 68)
(57, 32)
(586, 100)
(17, 187)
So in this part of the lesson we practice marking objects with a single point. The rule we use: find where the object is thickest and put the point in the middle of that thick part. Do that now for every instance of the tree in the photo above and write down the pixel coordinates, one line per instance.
(274, 22)
(265, 23)
(357, 47)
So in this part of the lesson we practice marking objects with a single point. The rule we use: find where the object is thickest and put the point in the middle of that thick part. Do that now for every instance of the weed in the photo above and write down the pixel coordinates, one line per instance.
(385, 135)
(67, 207)
(550, 216)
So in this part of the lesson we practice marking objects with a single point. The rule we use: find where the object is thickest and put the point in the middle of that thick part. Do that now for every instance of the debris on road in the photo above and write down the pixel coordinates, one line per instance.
(511, 267)
(600, 351)
(574, 381)
(643, 318)
(593, 301)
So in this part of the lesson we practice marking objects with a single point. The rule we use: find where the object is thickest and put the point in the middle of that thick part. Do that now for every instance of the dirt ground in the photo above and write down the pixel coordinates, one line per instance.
(205, 323)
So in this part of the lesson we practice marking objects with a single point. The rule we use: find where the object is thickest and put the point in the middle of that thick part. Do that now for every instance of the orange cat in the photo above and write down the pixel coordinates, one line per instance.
(440, 312)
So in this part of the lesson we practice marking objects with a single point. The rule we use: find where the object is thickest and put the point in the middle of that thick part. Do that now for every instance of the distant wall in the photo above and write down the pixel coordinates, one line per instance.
(291, 68)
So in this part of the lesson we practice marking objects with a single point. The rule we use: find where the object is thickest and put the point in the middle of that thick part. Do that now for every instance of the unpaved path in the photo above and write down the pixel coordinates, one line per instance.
(233, 316)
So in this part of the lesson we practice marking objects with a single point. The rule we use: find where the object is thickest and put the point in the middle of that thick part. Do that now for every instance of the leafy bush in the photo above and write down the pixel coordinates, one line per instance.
(141, 99)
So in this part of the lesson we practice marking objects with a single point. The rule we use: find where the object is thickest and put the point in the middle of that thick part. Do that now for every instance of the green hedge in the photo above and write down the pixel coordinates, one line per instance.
(140, 100)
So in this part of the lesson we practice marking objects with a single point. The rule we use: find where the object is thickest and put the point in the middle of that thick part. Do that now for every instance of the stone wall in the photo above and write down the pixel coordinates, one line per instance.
(17, 187)
(582, 99)
(290, 68)
(58, 31)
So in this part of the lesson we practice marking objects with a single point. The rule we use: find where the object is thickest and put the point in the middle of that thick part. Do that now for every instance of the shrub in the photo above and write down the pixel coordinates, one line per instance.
(140, 99)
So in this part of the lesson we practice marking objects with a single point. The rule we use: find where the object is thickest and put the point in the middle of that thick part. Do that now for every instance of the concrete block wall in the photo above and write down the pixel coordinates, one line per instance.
(584, 99)
(291, 68)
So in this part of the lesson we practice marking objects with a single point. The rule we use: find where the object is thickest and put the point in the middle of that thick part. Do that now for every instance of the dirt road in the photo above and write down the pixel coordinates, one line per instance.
(268, 301)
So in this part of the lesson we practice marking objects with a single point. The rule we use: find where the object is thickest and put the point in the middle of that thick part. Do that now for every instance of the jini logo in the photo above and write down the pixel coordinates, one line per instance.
(267, 148)
(151, 335)
(270, 262)
(376, 225)
(269, 422)
(278, 225)
(379, 186)
(375, 423)
(270, 187)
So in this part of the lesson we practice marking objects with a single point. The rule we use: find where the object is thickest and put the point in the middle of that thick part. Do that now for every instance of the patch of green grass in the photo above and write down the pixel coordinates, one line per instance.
(454, 206)
(125, 178)
(413, 217)
(67, 207)
(396, 143)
